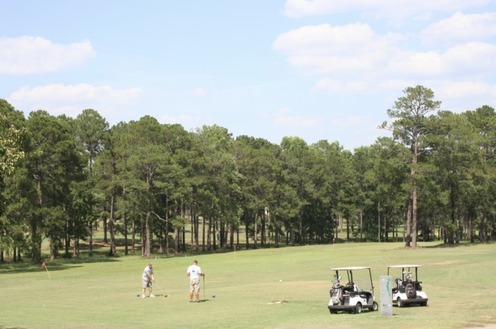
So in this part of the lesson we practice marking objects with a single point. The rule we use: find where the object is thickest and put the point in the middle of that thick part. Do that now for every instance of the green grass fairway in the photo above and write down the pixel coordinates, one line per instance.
(270, 288)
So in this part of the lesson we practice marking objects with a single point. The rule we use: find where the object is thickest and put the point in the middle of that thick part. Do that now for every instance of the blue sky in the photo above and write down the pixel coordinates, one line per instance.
(315, 69)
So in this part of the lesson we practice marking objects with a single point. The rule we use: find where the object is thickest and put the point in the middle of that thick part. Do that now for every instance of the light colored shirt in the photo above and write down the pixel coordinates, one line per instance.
(194, 271)
(147, 273)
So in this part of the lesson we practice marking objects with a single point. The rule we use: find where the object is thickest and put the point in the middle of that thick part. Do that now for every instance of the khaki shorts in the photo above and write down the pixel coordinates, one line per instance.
(146, 284)
(194, 285)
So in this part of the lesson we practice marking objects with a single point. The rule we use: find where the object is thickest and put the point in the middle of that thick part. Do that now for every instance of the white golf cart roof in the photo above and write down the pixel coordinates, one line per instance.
(404, 266)
(352, 268)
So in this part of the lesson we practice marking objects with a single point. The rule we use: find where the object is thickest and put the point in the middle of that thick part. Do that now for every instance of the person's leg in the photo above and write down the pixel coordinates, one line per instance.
(151, 288)
(143, 290)
(197, 291)
(191, 289)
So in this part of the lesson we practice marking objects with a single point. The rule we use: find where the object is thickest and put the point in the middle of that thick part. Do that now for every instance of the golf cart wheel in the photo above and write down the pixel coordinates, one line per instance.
(375, 306)
(399, 302)
(358, 308)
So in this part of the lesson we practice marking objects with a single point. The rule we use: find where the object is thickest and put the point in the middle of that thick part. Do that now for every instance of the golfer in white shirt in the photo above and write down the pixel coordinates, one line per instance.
(194, 272)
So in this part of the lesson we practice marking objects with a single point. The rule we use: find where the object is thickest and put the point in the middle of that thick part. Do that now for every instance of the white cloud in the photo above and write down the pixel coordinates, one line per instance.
(300, 8)
(324, 49)
(28, 55)
(416, 64)
(460, 28)
(464, 61)
(354, 52)
(70, 100)
(473, 58)
(464, 95)
(325, 39)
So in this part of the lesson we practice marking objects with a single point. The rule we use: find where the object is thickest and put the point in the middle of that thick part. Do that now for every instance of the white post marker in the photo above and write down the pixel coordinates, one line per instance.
(386, 296)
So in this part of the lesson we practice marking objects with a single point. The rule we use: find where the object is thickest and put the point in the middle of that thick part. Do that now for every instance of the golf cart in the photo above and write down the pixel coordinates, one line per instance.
(408, 289)
(350, 297)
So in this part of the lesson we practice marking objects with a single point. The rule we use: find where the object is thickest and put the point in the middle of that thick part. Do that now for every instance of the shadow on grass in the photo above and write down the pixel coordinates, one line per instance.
(456, 245)
(200, 301)
(52, 266)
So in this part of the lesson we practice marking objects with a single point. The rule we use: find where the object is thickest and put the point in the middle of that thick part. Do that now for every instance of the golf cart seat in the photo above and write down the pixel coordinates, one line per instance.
(350, 287)
(365, 294)
(400, 285)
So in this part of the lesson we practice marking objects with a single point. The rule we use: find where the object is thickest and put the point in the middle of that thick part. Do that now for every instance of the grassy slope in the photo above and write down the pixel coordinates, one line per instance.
(102, 294)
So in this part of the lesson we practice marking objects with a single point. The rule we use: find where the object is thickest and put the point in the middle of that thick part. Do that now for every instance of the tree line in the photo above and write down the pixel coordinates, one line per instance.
(159, 188)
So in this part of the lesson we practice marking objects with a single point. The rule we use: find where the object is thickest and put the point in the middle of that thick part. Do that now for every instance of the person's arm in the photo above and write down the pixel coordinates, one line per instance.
(149, 273)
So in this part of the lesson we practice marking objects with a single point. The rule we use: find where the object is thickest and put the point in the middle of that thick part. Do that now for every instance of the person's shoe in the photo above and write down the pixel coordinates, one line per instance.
(152, 295)
(143, 296)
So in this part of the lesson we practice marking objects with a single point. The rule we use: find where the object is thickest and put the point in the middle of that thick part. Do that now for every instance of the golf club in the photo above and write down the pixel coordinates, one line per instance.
(160, 289)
